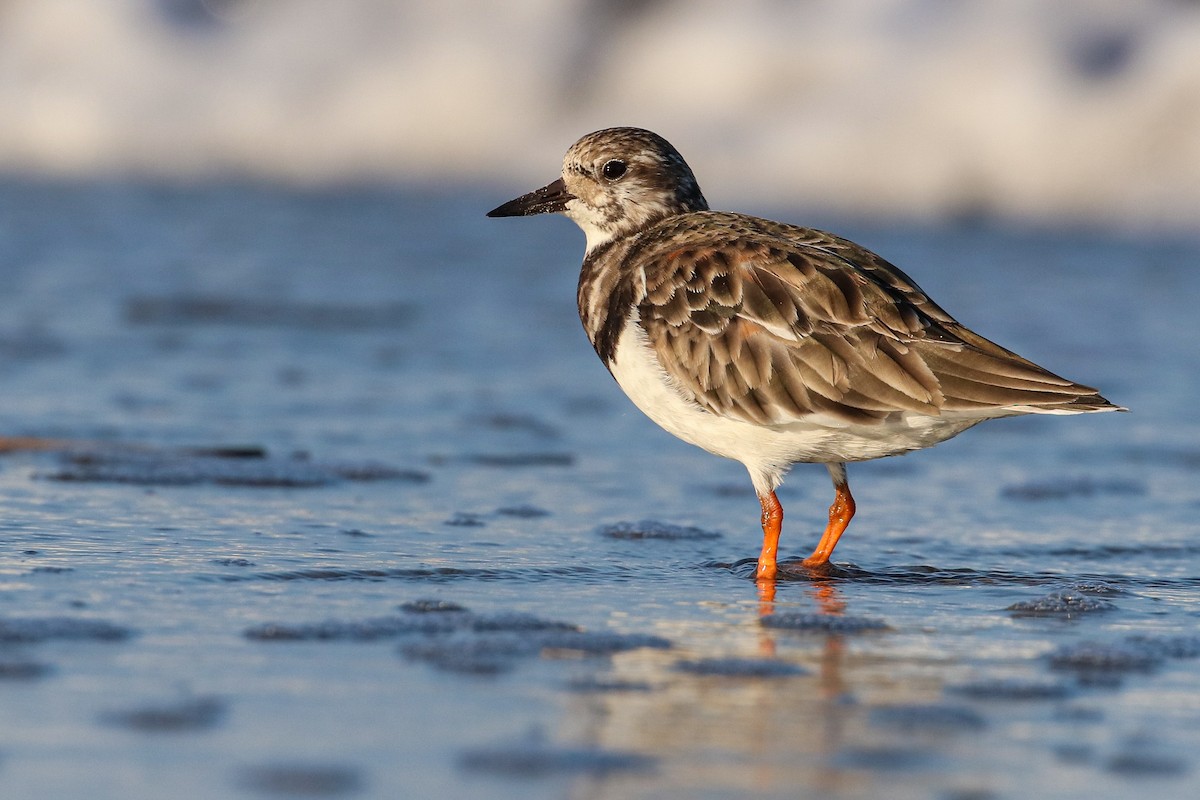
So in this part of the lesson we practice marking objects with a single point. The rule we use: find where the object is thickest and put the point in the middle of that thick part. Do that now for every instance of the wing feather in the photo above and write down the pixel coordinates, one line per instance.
(771, 323)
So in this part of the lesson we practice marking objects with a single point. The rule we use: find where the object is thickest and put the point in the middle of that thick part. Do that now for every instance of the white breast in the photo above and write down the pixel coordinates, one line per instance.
(767, 451)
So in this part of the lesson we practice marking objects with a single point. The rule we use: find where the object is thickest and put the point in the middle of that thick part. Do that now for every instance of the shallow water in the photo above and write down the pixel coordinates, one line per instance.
(427, 548)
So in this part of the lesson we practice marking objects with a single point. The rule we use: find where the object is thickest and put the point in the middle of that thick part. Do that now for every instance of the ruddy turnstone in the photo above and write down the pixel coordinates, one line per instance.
(769, 343)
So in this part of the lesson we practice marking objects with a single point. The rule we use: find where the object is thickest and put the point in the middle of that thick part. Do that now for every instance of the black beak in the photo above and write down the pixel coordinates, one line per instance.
(549, 199)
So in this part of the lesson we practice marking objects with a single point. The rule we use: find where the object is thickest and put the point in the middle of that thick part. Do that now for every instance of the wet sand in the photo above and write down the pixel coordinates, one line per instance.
(331, 498)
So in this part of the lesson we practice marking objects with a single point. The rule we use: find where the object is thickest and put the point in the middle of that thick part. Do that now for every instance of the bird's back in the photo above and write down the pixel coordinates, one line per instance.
(773, 323)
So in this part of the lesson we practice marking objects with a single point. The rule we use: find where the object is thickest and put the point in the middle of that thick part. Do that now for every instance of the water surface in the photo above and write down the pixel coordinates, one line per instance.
(341, 504)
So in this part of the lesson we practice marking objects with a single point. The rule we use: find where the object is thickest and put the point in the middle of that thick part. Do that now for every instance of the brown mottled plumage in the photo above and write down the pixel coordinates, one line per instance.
(770, 343)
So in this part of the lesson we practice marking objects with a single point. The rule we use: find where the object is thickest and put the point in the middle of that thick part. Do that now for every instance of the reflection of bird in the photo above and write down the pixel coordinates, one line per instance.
(769, 343)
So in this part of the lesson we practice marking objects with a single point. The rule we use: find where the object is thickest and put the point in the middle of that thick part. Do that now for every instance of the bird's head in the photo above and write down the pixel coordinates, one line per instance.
(614, 183)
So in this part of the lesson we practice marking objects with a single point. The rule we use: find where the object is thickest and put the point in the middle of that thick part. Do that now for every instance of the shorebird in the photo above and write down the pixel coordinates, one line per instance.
(769, 343)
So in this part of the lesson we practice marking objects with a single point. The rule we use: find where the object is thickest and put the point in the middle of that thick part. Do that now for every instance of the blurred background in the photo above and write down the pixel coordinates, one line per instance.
(1076, 111)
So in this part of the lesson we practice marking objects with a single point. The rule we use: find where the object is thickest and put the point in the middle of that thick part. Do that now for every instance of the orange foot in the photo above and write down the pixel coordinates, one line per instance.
(772, 524)
(840, 514)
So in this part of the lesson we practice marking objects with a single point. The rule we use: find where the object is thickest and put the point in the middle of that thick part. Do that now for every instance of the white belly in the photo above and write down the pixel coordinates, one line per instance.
(767, 451)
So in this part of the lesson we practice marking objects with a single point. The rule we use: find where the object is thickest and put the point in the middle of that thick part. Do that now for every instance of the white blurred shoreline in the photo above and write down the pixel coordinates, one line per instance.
(1077, 112)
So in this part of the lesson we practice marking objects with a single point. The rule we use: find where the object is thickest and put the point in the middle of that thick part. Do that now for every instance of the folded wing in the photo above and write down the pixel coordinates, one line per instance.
(771, 326)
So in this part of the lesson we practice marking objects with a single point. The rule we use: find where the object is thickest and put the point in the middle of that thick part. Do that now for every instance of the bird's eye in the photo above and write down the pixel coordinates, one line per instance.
(613, 169)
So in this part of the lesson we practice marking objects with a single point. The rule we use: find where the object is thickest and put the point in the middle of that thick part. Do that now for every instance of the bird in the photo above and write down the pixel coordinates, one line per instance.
(768, 343)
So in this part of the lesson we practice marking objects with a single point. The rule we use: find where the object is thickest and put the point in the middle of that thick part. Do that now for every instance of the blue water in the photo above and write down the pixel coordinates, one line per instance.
(1014, 613)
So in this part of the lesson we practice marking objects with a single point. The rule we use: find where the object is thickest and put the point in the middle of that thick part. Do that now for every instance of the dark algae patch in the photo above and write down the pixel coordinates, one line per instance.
(449, 637)
(539, 760)
(732, 667)
(196, 714)
(654, 530)
(15, 630)
(302, 780)
(1066, 603)
(186, 468)
(803, 622)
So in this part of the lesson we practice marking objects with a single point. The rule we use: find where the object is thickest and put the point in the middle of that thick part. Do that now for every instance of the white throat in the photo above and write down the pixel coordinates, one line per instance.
(596, 235)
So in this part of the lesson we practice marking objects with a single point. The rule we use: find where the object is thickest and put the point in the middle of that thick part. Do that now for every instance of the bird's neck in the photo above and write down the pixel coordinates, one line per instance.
(603, 296)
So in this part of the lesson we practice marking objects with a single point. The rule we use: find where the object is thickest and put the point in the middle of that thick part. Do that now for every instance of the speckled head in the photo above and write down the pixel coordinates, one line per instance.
(614, 183)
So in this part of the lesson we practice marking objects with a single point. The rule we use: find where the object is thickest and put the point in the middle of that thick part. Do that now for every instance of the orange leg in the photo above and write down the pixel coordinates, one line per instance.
(840, 514)
(772, 524)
